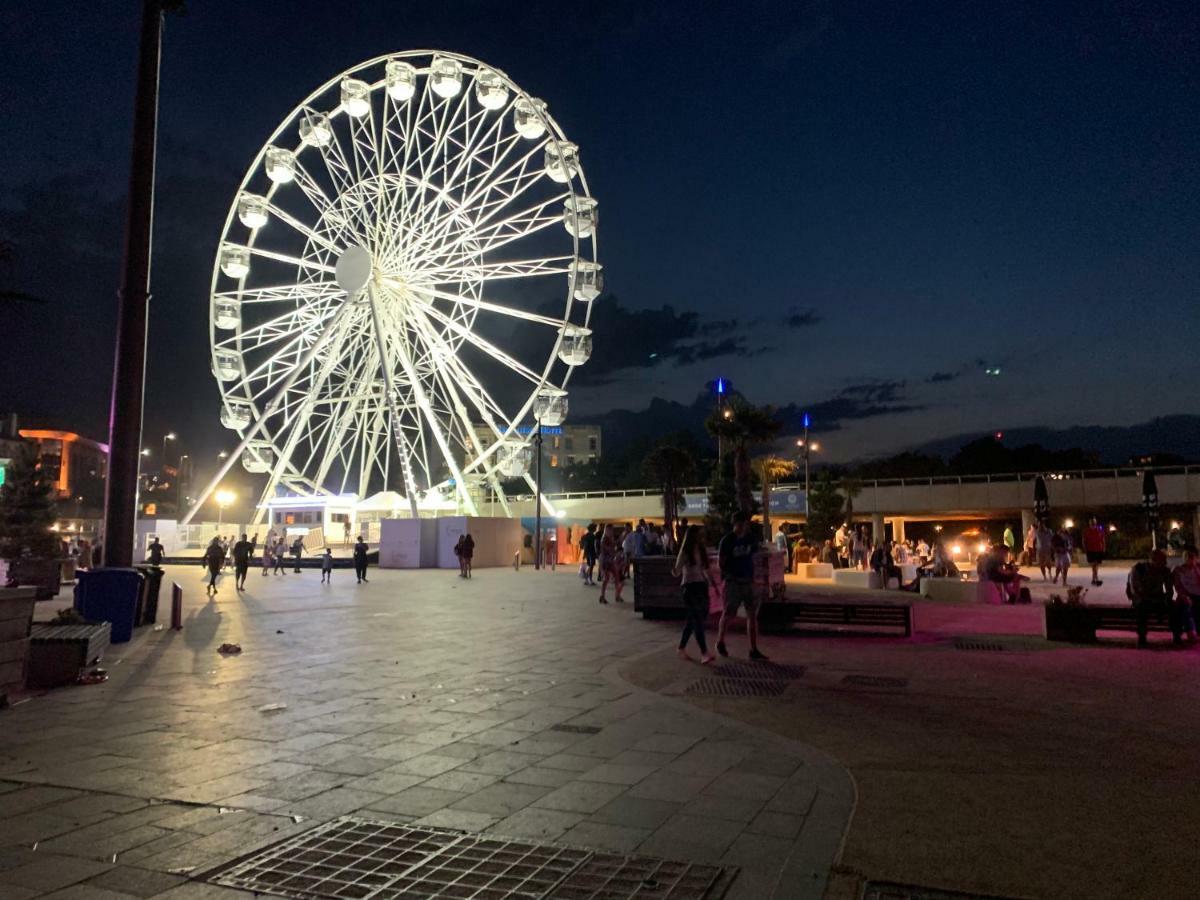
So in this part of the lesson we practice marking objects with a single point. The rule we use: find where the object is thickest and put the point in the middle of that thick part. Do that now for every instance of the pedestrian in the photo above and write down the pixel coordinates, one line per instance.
(465, 554)
(360, 561)
(1094, 545)
(841, 546)
(609, 560)
(1030, 556)
(587, 545)
(214, 559)
(1149, 588)
(280, 557)
(346, 532)
(1043, 539)
(297, 549)
(1010, 541)
(736, 557)
(156, 552)
(241, 553)
(1186, 578)
(859, 551)
(327, 567)
(691, 565)
(1060, 547)
(268, 555)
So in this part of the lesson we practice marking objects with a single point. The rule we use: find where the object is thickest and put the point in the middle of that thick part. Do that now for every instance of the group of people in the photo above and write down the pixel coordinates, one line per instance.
(614, 548)
(1157, 591)
(224, 551)
(464, 549)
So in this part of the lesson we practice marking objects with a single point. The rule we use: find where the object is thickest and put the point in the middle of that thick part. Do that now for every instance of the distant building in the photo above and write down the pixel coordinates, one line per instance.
(76, 465)
(563, 445)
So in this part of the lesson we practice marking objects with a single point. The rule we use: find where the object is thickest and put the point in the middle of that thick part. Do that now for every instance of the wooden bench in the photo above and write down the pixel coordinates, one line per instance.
(1080, 624)
(872, 618)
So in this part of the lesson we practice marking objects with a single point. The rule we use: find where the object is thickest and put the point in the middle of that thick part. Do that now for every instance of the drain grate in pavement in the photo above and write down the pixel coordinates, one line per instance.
(759, 670)
(609, 877)
(360, 859)
(577, 729)
(879, 890)
(881, 681)
(972, 644)
(737, 687)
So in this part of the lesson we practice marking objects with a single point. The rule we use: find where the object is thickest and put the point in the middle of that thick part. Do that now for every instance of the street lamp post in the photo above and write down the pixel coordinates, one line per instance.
(537, 501)
(224, 499)
(808, 447)
(169, 436)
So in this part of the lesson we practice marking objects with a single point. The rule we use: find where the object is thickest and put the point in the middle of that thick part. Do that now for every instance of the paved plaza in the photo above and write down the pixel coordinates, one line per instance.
(493, 705)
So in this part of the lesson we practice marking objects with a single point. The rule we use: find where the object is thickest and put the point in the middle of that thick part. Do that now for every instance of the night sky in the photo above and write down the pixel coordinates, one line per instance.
(857, 206)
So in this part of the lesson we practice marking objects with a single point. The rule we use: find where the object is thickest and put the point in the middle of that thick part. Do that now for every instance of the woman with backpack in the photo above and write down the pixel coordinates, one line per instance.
(691, 565)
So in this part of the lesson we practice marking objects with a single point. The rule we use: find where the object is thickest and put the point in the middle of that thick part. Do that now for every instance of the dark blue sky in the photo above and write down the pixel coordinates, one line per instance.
(865, 203)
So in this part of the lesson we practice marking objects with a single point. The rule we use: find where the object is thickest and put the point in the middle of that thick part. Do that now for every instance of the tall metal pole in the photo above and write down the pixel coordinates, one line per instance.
(537, 502)
(129, 367)
(807, 450)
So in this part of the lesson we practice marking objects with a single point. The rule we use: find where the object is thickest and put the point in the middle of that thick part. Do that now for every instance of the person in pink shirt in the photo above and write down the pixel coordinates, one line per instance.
(1187, 591)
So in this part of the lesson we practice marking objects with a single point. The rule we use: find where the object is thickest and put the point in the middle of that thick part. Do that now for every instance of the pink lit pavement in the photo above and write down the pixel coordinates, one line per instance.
(992, 761)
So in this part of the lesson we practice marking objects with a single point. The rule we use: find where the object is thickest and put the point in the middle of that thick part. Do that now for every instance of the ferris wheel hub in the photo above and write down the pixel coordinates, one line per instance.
(353, 269)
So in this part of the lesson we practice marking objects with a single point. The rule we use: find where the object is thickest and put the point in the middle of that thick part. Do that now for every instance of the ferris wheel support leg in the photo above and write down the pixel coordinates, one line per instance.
(434, 425)
(268, 411)
(547, 506)
(410, 482)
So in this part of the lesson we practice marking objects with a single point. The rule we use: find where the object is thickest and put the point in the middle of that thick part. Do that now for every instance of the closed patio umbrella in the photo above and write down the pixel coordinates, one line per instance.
(1041, 500)
(1150, 504)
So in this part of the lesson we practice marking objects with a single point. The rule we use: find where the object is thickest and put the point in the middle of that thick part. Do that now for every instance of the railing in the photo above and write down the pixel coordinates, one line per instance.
(1115, 472)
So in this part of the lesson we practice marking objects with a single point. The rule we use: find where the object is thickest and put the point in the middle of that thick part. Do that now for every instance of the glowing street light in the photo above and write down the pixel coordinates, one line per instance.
(224, 499)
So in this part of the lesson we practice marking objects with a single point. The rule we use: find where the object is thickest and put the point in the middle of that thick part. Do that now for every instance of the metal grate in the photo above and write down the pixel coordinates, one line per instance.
(971, 644)
(609, 877)
(737, 687)
(759, 670)
(879, 890)
(360, 859)
(880, 681)
(576, 729)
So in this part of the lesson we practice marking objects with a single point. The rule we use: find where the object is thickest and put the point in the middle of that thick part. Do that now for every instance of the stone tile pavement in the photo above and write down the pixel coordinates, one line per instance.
(489, 705)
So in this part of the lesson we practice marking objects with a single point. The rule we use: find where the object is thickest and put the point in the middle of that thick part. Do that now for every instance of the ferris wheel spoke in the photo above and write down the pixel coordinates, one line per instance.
(489, 307)
(296, 225)
(282, 326)
(501, 271)
(300, 262)
(483, 239)
(285, 293)
(331, 215)
(482, 343)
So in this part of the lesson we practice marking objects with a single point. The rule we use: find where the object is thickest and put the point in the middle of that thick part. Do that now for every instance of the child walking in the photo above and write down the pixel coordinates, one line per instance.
(327, 566)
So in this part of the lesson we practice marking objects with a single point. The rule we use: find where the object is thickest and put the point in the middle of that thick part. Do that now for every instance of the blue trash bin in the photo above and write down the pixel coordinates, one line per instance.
(110, 595)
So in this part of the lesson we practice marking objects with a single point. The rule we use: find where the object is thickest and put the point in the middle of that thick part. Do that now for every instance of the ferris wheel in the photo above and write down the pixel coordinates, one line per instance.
(403, 284)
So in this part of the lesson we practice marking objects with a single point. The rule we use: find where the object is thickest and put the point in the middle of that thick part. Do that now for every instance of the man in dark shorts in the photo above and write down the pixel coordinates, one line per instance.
(736, 554)
(588, 545)
(360, 560)
(1094, 547)
(242, 551)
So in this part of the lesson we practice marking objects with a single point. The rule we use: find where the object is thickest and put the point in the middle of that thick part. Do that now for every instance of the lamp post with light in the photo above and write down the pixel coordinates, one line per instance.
(169, 436)
(224, 498)
(807, 446)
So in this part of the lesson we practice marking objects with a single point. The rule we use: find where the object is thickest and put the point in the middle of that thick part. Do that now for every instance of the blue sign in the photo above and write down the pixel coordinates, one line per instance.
(546, 429)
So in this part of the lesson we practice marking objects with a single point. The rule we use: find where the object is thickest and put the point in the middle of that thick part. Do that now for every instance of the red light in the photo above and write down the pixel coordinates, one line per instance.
(999, 435)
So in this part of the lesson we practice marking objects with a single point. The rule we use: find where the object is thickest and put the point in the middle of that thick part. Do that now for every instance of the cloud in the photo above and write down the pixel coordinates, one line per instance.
(797, 318)
(942, 377)
(864, 400)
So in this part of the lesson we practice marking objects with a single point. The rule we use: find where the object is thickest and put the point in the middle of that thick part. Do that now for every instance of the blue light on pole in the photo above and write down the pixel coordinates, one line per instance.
(721, 386)
(806, 421)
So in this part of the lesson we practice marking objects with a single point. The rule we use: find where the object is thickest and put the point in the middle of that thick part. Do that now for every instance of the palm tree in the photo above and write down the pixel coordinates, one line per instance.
(743, 426)
(851, 487)
(670, 468)
(769, 470)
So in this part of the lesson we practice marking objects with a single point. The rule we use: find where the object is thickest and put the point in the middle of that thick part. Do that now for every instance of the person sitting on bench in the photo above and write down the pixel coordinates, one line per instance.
(1149, 589)
(999, 570)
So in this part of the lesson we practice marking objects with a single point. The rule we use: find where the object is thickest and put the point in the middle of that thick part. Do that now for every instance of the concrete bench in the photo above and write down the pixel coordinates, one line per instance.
(873, 618)
(949, 589)
(814, 570)
(856, 578)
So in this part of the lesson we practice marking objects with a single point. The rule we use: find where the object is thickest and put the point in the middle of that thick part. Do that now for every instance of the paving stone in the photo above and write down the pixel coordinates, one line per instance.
(671, 786)
(737, 809)
(666, 743)
(385, 782)
(569, 762)
(417, 801)
(610, 773)
(580, 796)
(776, 824)
(332, 803)
(458, 780)
(540, 775)
(501, 762)
(601, 836)
(502, 799)
(52, 871)
(639, 812)
(706, 835)
(307, 785)
(460, 819)
(539, 824)
(86, 892)
(429, 764)
(15, 802)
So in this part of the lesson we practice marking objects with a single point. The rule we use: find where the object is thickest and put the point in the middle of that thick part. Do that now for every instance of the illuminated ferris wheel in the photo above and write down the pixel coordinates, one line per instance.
(405, 277)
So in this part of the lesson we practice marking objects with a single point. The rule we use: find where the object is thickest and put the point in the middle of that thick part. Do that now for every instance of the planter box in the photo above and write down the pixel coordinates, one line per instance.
(16, 616)
(1069, 623)
(57, 653)
(43, 574)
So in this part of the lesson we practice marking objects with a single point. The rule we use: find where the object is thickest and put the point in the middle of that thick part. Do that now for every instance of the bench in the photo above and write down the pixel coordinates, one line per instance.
(1080, 624)
(833, 617)
(57, 653)
(856, 578)
(949, 589)
(814, 570)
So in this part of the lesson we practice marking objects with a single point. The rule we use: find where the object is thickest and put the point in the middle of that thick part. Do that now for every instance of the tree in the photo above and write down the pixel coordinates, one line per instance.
(27, 509)
(743, 426)
(670, 468)
(850, 487)
(722, 502)
(770, 469)
(825, 508)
